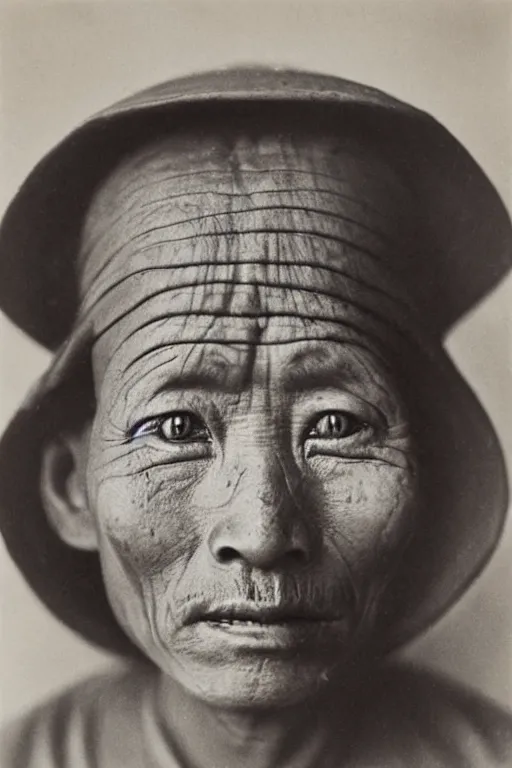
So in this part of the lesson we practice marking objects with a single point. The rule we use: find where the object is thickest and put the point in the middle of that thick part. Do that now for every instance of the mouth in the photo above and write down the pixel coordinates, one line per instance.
(256, 628)
(256, 613)
(259, 615)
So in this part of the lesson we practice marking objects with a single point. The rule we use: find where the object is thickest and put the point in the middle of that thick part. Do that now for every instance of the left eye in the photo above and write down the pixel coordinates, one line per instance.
(175, 427)
(336, 425)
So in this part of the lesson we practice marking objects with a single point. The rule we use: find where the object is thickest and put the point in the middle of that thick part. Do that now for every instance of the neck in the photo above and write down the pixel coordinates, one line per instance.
(315, 733)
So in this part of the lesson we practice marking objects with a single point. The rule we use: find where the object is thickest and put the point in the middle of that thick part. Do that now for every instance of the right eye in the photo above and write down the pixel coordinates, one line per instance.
(174, 427)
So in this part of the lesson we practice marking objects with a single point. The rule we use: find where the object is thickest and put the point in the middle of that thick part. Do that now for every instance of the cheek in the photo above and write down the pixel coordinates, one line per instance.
(144, 513)
(369, 510)
(144, 520)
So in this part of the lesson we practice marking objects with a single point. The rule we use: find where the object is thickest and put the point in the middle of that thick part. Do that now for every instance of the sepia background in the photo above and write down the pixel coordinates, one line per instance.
(60, 62)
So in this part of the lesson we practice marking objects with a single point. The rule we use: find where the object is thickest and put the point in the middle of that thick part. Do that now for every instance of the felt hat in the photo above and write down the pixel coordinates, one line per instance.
(462, 473)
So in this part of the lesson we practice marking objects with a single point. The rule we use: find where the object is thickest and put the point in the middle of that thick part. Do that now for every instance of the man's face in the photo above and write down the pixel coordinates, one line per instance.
(250, 470)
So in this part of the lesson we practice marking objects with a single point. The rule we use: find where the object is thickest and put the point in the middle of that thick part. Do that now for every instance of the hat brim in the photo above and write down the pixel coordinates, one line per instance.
(462, 491)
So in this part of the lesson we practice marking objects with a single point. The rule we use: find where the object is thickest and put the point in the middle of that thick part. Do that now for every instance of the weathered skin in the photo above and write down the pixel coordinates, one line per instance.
(243, 285)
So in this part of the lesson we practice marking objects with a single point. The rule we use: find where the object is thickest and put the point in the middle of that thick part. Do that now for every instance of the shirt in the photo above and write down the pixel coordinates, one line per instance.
(408, 718)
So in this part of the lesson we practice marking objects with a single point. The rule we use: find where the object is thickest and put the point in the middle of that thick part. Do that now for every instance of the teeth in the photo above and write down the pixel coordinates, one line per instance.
(239, 622)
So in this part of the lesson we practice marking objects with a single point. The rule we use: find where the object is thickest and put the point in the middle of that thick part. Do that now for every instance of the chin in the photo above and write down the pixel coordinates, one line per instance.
(243, 665)
(256, 681)
(259, 686)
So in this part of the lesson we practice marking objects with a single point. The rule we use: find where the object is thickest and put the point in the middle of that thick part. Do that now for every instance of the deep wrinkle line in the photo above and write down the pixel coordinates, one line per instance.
(259, 342)
(149, 371)
(387, 239)
(313, 173)
(236, 233)
(320, 190)
(260, 231)
(249, 315)
(293, 208)
(383, 361)
(259, 209)
(128, 207)
(246, 262)
(235, 344)
(264, 191)
(252, 343)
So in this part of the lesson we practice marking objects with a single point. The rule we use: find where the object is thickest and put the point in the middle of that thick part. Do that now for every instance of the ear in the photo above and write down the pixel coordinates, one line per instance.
(64, 490)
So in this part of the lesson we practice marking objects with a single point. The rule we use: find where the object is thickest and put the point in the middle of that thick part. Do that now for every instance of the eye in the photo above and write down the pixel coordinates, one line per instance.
(336, 425)
(175, 427)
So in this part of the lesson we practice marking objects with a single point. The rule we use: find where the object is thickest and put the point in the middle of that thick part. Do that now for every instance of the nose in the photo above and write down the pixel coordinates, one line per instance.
(264, 525)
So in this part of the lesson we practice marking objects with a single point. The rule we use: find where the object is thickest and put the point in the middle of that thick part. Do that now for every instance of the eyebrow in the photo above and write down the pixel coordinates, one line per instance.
(308, 369)
(325, 376)
(200, 379)
(315, 369)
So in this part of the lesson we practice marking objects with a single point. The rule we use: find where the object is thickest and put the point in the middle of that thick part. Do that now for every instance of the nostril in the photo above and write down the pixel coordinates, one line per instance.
(227, 554)
(293, 558)
(297, 556)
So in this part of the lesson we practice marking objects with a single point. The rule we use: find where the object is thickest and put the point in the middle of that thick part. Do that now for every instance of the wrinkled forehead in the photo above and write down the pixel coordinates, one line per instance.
(200, 236)
(190, 180)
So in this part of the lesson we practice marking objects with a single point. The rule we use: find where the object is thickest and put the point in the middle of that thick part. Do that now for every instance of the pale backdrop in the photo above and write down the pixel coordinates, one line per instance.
(61, 62)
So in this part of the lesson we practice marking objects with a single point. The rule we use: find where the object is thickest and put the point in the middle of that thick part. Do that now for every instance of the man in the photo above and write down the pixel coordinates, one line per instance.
(252, 469)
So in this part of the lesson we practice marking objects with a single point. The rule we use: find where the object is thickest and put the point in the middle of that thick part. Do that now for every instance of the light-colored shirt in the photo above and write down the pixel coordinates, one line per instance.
(408, 719)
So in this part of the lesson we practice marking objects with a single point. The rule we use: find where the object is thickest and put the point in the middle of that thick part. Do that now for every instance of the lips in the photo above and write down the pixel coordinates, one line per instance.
(253, 614)
(276, 631)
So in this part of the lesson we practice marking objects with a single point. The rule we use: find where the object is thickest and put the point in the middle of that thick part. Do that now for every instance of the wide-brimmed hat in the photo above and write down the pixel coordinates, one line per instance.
(462, 474)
